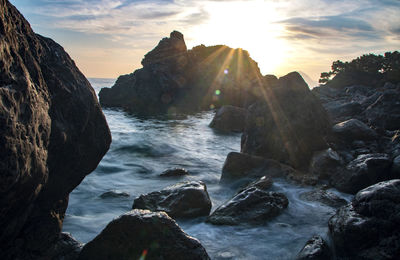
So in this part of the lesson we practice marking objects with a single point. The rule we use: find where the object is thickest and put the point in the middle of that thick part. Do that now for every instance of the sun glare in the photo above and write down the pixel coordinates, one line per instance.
(247, 25)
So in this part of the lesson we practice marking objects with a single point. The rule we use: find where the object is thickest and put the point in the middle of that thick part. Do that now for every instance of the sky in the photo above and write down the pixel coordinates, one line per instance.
(108, 38)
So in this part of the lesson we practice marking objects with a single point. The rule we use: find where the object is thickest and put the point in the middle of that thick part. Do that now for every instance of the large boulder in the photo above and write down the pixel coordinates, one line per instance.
(353, 129)
(229, 119)
(315, 248)
(140, 234)
(365, 170)
(241, 165)
(175, 80)
(52, 134)
(288, 124)
(182, 200)
(253, 205)
(369, 226)
(325, 163)
(325, 197)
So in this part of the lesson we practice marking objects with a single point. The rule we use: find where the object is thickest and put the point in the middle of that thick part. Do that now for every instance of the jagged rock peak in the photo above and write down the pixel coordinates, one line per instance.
(167, 49)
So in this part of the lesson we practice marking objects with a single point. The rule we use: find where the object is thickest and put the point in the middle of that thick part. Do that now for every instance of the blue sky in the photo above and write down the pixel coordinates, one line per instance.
(107, 38)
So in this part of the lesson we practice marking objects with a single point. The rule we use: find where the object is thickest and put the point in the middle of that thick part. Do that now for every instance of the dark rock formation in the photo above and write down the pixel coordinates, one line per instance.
(182, 200)
(229, 119)
(253, 205)
(385, 111)
(176, 80)
(66, 248)
(325, 197)
(365, 170)
(114, 194)
(289, 125)
(368, 227)
(374, 105)
(316, 248)
(240, 165)
(325, 163)
(152, 235)
(53, 133)
(176, 172)
(354, 129)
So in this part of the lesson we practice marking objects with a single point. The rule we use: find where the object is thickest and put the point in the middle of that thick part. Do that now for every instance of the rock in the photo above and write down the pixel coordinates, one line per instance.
(325, 163)
(365, 170)
(325, 197)
(288, 125)
(385, 111)
(52, 134)
(368, 227)
(340, 111)
(175, 80)
(253, 205)
(229, 119)
(182, 200)
(66, 248)
(240, 165)
(142, 233)
(174, 172)
(395, 171)
(264, 183)
(114, 194)
(315, 248)
(354, 129)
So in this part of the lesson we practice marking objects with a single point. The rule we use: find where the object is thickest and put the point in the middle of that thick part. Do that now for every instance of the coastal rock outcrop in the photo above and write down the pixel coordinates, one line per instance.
(229, 119)
(365, 170)
(289, 125)
(315, 248)
(143, 234)
(325, 197)
(174, 79)
(175, 172)
(241, 165)
(253, 205)
(182, 200)
(53, 133)
(368, 227)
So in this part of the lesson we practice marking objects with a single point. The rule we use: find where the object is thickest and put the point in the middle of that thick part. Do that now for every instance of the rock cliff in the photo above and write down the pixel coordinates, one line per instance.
(53, 133)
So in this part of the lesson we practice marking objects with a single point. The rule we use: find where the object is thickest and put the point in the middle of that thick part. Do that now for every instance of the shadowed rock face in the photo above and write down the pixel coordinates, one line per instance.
(368, 227)
(315, 248)
(138, 231)
(289, 125)
(174, 79)
(53, 133)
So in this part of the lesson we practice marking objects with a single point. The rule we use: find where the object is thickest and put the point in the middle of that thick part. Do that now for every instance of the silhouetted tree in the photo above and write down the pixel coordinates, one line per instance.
(385, 67)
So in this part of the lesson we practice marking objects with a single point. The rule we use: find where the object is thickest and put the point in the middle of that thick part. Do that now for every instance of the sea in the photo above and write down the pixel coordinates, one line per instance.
(142, 148)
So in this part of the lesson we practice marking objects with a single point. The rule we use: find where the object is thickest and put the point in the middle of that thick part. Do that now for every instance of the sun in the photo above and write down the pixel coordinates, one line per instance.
(244, 24)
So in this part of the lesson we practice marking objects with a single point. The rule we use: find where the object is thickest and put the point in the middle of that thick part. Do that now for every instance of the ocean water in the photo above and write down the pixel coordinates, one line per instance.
(142, 148)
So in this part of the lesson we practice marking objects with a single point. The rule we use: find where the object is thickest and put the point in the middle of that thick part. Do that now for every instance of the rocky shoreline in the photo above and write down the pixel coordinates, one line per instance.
(53, 133)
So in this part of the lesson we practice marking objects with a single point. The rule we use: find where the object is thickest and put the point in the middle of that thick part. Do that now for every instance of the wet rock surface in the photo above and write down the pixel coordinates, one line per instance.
(325, 197)
(229, 119)
(175, 172)
(137, 233)
(253, 205)
(241, 165)
(182, 200)
(316, 248)
(365, 170)
(368, 227)
(53, 133)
